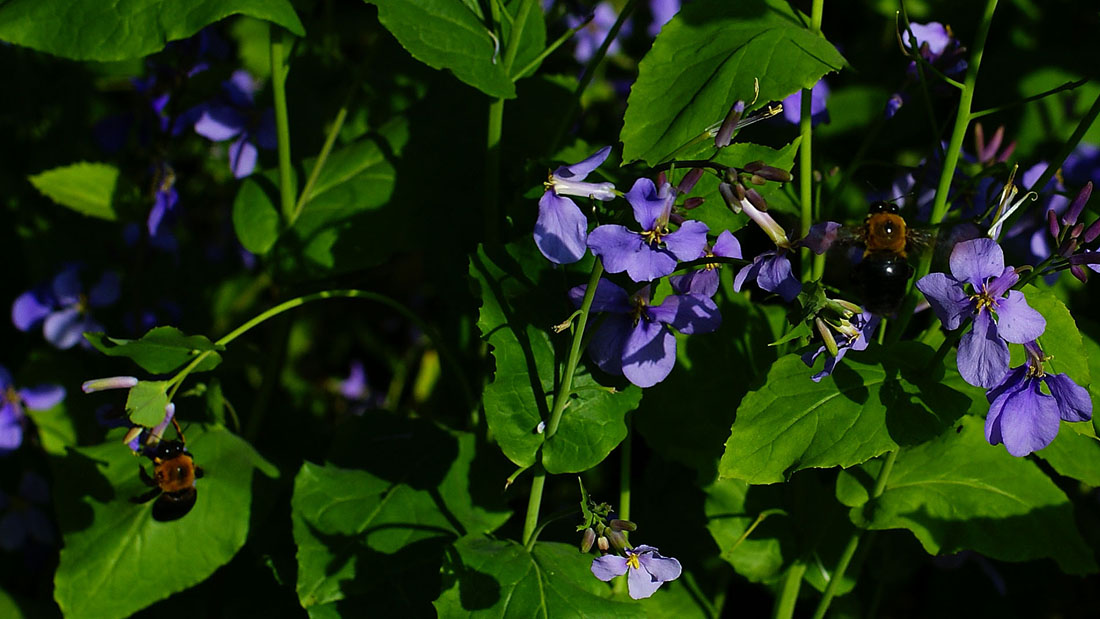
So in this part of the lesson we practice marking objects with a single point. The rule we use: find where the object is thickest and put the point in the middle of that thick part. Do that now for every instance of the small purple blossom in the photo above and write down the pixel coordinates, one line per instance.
(24, 517)
(645, 568)
(792, 105)
(704, 281)
(1083, 165)
(855, 335)
(235, 116)
(983, 351)
(653, 252)
(1023, 417)
(561, 230)
(62, 308)
(12, 403)
(589, 38)
(165, 198)
(142, 440)
(635, 339)
(663, 11)
(771, 270)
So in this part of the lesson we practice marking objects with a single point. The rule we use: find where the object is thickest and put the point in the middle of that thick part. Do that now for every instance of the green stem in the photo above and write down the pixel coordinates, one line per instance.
(805, 156)
(788, 595)
(492, 172)
(279, 71)
(625, 449)
(561, 398)
(1067, 148)
(1042, 95)
(319, 165)
(951, 160)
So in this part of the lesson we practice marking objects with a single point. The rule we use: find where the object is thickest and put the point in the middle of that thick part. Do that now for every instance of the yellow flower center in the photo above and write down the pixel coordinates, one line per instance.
(654, 236)
(632, 561)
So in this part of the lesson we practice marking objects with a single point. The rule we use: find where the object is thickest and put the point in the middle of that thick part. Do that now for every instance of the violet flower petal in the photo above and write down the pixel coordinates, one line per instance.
(726, 246)
(31, 308)
(977, 260)
(219, 123)
(1029, 420)
(948, 299)
(700, 282)
(609, 297)
(13, 531)
(983, 355)
(1018, 322)
(42, 397)
(1074, 402)
(821, 236)
(662, 568)
(641, 584)
(240, 87)
(624, 250)
(242, 156)
(66, 286)
(561, 229)
(64, 328)
(606, 347)
(649, 205)
(689, 242)
(580, 170)
(776, 276)
(106, 290)
(608, 566)
(649, 354)
(5, 379)
(688, 314)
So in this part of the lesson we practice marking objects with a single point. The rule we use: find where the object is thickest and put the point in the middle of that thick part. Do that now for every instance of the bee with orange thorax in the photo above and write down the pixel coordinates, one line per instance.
(172, 482)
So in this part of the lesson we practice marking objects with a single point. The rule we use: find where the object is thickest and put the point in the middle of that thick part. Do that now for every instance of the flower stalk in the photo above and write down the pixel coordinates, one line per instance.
(279, 72)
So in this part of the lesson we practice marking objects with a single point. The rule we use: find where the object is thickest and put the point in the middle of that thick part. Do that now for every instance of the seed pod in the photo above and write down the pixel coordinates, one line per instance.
(691, 203)
(623, 525)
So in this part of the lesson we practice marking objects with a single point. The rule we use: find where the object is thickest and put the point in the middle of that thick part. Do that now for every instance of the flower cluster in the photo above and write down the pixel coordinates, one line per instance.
(935, 44)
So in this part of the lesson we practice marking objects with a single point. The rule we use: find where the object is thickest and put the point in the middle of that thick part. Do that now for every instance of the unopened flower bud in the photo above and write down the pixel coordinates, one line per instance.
(848, 306)
(688, 182)
(757, 200)
(826, 336)
(691, 203)
(725, 132)
(662, 178)
(768, 172)
(602, 543)
(618, 540)
(729, 196)
(1092, 232)
(588, 539)
(677, 218)
(1052, 223)
(623, 525)
(1079, 273)
(1077, 206)
(1077, 230)
(114, 382)
(1068, 247)
(132, 433)
(739, 191)
(756, 179)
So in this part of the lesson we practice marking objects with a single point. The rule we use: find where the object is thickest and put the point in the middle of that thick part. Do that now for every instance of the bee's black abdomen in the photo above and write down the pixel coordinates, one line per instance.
(882, 278)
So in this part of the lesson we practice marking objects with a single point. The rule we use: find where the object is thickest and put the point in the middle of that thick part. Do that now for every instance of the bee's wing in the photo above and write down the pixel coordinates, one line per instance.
(849, 235)
(917, 239)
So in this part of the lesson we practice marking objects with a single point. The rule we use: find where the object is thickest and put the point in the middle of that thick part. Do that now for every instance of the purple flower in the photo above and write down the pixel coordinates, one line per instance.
(143, 440)
(792, 105)
(165, 198)
(12, 403)
(653, 252)
(645, 568)
(561, 230)
(1083, 165)
(855, 335)
(933, 34)
(983, 351)
(63, 308)
(704, 281)
(771, 270)
(591, 36)
(235, 116)
(663, 11)
(1029, 235)
(1023, 417)
(635, 340)
(24, 517)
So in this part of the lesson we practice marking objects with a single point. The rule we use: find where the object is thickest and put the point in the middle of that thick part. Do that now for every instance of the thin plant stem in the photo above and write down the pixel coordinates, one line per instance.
(625, 449)
(788, 595)
(279, 72)
(322, 158)
(1067, 148)
(534, 502)
(805, 156)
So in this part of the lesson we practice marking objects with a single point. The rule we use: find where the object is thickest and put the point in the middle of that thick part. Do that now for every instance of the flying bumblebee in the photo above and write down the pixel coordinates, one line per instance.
(172, 482)
(883, 275)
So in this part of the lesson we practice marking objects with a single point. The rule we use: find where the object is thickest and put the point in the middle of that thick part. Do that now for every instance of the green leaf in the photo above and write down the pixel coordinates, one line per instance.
(113, 547)
(396, 516)
(87, 188)
(499, 578)
(706, 58)
(516, 312)
(756, 555)
(56, 430)
(255, 218)
(863, 410)
(1061, 340)
(445, 34)
(105, 31)
(1075, 454)
(160, 350)
(146, 401)
(958, 492)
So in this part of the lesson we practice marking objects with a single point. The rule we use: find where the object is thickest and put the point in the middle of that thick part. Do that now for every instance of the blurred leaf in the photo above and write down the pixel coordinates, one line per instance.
(115, 555)
(255, 218)
(957, 492)
(97, 30)
(863, 410)
(1074, 454)
(56, 430)
(445, 34)
(708, 56)
(498, 578)
(87, 188)
(160, 350)
(146, 401)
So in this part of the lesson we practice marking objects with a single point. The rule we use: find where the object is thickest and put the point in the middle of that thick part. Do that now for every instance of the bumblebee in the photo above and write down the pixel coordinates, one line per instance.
(172, 482)
(882, 277)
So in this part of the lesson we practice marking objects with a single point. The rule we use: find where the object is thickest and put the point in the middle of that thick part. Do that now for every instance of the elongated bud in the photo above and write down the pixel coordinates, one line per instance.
(771, 173)
(756, 179)
(691, 203)
(1092, 232)
(725, 132)
(688, 182)
(1052, 223)
(618, 540)
(1079, 273)
(602, 543)
(757, 200)
(730, 198)
(1076, 231)
(677, 218)
(1077, 206)
(132, 434)
(826, 336)
(770, 226)
(623, 525)
(1068, 247)
(588, 539)
(114, 382)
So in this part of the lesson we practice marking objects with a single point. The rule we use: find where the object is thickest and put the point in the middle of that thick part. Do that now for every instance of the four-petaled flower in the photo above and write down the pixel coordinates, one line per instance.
(855, 335)
(704, 281)
(561, 230)
(772, 272)
(634, 339)
(645, 568)
(1023, 417)
(12, 403)
(983, 351)
(654, 251)
(236, 117)
(62, 308)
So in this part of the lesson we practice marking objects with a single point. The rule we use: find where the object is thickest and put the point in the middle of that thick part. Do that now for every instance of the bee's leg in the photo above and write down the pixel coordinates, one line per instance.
(145, 479)
(198, 472)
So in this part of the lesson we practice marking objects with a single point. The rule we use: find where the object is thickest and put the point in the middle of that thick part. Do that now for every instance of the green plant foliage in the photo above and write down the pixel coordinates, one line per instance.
(955, 493)
(452, 35)
(1062, 339)
(161, 350)
(863, 410)
(255, 218)
(494, 578)
(87, 188)
(709, 55)
(94, 30)
(146, 402)
(114, 548)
